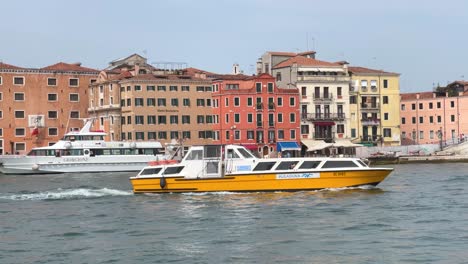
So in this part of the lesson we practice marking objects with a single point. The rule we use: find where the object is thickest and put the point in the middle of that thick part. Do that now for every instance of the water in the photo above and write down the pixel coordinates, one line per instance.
(417, 215)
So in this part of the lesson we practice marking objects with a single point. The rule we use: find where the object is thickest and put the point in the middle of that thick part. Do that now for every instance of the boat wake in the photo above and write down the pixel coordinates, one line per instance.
(66, 194)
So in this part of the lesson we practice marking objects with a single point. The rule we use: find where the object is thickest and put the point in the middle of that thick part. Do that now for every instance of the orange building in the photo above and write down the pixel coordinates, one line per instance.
(38, 106)
(435, 117)
(253, 111)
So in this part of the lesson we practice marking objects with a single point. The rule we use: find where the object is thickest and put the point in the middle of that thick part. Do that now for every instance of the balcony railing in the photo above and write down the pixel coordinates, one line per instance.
(328, 137)
(370, 121)
(316, 78)
(370, 105)
(259, 124)
(324, 116)
(259, 106)
(323, 96)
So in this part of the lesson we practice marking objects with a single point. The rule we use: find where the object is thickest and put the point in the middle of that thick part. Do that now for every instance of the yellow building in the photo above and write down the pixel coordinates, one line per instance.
(374, 107)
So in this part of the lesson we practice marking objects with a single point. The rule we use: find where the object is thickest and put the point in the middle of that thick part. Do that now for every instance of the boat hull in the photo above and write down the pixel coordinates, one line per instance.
(262, 182)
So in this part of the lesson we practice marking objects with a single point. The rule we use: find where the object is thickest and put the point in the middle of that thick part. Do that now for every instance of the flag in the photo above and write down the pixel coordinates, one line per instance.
(35, 131)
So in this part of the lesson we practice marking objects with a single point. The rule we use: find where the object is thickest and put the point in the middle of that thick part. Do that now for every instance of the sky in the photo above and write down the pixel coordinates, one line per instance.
(424, 41)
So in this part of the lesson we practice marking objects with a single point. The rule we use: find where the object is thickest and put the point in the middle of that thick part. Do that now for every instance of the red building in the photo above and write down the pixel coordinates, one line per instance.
(254, 112)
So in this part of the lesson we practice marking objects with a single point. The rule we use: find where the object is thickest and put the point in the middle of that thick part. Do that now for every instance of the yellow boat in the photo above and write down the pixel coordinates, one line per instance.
(232, 168)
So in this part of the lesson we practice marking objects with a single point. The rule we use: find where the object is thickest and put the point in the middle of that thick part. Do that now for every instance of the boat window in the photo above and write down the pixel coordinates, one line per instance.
(262, 166)
(362, 163)
(149, 171)
(173, 170)
(246, 154)
(130, 151)
(212, 167)
(51, 152)
(116, 152)
(195, 155)
(212, 152)
(339, 164)
(106, 152)
(309, 165)
(287, 165)
(232, 154)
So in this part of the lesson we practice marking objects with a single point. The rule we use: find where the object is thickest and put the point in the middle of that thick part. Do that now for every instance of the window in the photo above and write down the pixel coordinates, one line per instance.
(431, 119)
(51, 82)
(236, 101)
(129, 120)
(452, 104)
(186, 102)
(161, 101)
(18, 80)
(280, 118)
(421, 120)
(138, 101)
(52, 114)
(280, 134)
(151, 135)
(258, 87)
(186, 134)
(150, 102)
(385, 83)
(373, 84)
(1, 80)
(140, 135)
(438, 105)
(352, 99)
(236, 118)
(19, 114)
(185, 119)
(200, 89)
(353, 132)
(53, 131)
(162, 135)
(151, 120)
(250, 134)
(385, 99)
(249, 118)
(1, 114)
(74, 114)
(421, 106)
(413, 120)
(421, 134)
(292, 134)
(162, 120)
(305, 129)
(413, 106)
(431, 105)
(150, 88)
(403, 120)
(439, 119)
(201, 102)
(270, 87)
(452, 118)
(19, 96)
(74, 97)
(249, 101)
(161, 88)
(173, 88)
(280, 101)
(403, 107)
(52, 97)
(340, 128)
(137, 87)
(200, 119)
(139, 120)
(73, 82)
(431, 134)
(364, 84)
(173, 119)
(292, 117)
(278, 76)
(387, 132)
(174, 102)
(185, 88)
(292, 101)
(20, 132)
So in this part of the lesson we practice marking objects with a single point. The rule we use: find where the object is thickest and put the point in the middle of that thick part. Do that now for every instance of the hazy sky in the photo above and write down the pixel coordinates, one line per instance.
(424, 41)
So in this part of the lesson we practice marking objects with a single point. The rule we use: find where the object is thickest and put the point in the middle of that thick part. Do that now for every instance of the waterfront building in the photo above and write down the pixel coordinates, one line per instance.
(39, 105)
(374, 107)
(435, 117)
(254, 112)
(324, 94)
(136, 101)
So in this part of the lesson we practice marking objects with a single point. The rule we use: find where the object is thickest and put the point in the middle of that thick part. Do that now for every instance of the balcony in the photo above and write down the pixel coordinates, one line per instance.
(327, 79)
(259, 124)
(271, 124)
(323, 97)
(324, 116)
(271, 106)
(327, 137)
(370, 121)
(370, 106)
(259, 106)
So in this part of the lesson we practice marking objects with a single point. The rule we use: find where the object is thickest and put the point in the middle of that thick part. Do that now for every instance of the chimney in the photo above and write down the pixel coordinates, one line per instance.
(235, 69)
(77, 64)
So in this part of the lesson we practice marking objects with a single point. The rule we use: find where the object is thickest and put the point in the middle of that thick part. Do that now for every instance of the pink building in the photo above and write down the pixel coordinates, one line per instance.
(434, 117)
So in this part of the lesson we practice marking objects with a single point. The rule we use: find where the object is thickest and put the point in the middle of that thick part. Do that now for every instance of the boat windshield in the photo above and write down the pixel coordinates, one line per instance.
(246, 154)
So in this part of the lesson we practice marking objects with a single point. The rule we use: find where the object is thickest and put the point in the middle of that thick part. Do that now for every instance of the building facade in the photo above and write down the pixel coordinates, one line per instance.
(374, 107)
(38, 106)
(253, 111)
(434, 117)
(324, 95)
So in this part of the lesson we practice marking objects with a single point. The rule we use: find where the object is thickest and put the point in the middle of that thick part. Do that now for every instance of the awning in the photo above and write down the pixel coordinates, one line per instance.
(345, 143)
(252, 146)
(287, 145)
(313, 145)
(324, 123)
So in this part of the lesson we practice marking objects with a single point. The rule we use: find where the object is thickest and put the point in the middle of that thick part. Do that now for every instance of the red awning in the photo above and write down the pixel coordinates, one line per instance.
(324, 123)
(250, 146)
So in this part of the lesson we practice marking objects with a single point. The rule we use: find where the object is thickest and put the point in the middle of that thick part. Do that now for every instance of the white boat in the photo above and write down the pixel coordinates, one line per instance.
(233, 168)
(84, 151)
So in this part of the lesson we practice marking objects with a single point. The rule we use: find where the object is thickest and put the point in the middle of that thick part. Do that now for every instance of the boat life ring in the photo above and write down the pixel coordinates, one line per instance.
(133, 145)
(162, 182)
(68, 145)
(35, 167)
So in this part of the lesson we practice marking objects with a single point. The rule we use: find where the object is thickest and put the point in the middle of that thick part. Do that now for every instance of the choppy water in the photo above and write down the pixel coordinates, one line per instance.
(417, 215)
